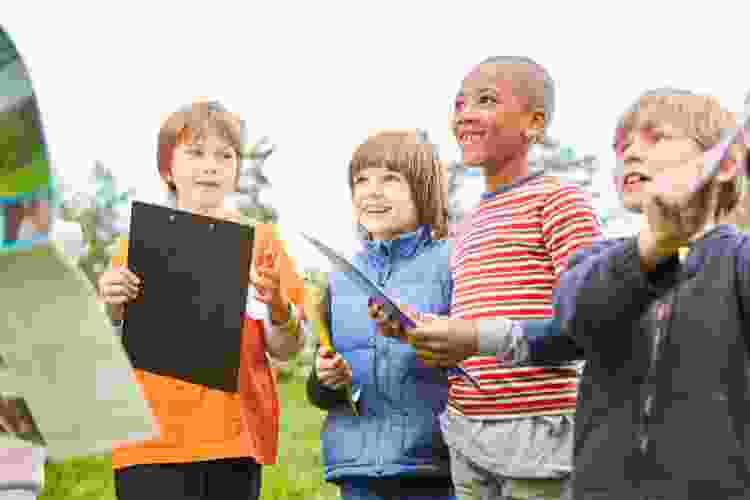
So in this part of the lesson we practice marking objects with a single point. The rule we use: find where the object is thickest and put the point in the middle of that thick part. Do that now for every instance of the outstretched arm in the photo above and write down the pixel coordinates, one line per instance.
(606, 288)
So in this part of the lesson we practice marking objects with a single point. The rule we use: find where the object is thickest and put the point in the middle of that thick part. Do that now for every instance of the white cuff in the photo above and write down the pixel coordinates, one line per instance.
(493, 335)
(356, 394)
(517, 351)
(255, 308)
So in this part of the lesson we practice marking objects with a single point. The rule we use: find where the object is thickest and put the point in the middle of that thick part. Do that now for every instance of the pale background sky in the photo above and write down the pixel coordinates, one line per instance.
(317, 77)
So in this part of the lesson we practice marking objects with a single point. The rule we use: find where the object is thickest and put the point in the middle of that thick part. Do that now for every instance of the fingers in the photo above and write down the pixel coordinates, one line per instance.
(118, 295)
(269, 259)
(333, 370)
(392, 329)
(676, 217)
(376, 311)
(325, 352)
(437, 360)
(130, 275)
(385, 326)
(267, 283)
(411, 313)
(120, 285)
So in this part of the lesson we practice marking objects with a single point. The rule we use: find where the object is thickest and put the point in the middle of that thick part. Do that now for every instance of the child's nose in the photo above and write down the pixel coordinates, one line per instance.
(209, 166)
(377, 188)
(634, 151)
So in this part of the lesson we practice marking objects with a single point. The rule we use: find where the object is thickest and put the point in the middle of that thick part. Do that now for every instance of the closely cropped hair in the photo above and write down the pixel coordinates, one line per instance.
(411, 154)
(194, 123)
(530, 80)
(699, 116)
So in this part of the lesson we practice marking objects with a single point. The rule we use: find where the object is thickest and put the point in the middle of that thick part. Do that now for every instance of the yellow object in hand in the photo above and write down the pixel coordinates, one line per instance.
(314, 302)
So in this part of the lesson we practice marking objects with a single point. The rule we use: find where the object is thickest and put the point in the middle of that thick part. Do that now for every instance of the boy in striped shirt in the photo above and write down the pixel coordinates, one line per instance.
(513, 438)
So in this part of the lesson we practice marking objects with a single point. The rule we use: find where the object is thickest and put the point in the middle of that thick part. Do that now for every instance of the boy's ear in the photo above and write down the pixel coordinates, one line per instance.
(535, 126)
(537, 120)
(728, 169)
(733, 164)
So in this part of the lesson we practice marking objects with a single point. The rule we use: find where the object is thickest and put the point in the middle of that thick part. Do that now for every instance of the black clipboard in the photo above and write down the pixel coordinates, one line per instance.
(195, 271)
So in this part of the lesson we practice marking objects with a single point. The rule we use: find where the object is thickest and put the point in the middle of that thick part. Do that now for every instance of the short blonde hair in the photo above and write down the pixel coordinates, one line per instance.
(411, 154)
(193, 123)
(700, 116)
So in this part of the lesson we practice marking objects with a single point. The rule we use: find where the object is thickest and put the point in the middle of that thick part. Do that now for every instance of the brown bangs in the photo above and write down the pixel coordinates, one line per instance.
(192, 125)
(195, 124)
(701, 117)
(417, 160)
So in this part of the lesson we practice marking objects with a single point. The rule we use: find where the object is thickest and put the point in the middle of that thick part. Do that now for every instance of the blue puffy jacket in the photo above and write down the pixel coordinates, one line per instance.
(397, 431)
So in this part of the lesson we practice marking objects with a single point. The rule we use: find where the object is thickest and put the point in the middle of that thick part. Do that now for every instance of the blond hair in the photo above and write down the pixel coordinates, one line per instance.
(701, 117)
(411, 154)
(194, 123)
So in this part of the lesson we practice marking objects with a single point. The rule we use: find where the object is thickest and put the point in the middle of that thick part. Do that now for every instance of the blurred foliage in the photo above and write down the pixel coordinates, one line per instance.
(253, 182)
(99, 212)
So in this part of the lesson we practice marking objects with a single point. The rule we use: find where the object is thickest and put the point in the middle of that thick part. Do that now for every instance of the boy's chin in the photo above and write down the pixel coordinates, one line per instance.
(632, 204)
(473, 159)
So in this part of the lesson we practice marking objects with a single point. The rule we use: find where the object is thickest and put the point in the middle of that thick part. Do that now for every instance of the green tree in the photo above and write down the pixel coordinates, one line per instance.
(99, 213)
(253, 182)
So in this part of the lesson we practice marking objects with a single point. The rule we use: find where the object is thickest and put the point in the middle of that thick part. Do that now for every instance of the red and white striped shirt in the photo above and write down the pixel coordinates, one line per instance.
(506, 263)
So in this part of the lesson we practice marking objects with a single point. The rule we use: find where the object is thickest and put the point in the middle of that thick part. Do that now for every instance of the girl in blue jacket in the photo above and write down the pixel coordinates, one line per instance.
(392, 447)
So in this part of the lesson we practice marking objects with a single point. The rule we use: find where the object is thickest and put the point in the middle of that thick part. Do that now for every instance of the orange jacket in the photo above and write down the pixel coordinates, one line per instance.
(197, 423)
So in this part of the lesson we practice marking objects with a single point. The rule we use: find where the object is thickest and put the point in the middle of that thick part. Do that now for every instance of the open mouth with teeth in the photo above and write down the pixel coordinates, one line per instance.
(208, 184)
(469, 138)
(634, 179)
(377, 210)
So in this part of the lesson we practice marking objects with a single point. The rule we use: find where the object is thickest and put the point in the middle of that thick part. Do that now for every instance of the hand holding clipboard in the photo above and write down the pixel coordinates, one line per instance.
(391, 310)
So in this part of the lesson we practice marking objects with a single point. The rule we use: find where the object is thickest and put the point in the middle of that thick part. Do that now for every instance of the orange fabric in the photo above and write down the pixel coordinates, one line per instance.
(197, 423)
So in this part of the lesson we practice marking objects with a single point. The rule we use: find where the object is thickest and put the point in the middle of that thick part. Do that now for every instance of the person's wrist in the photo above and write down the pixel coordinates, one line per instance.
(116, 312)
(651, 249)
(645, 253)
(281, 312)
(473, 345)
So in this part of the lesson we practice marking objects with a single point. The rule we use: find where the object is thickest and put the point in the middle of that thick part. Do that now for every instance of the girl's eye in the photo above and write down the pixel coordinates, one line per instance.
(359, 180)
(392, 178)
(195, 152)
(487, 99)
(652, 136)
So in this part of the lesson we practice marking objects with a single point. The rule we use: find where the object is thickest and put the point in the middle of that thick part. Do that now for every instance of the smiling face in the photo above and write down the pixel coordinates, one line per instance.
(383, 203)
(490, 120)
(203, 172)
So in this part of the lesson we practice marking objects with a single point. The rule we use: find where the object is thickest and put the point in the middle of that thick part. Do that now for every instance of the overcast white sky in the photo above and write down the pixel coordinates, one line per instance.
(317, 77)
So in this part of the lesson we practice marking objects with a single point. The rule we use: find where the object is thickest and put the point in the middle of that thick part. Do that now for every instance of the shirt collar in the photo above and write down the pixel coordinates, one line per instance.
(404, 246)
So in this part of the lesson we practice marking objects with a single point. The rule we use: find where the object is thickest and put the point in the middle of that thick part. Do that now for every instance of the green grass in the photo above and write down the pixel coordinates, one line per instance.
(297, 475)
(28, 179)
